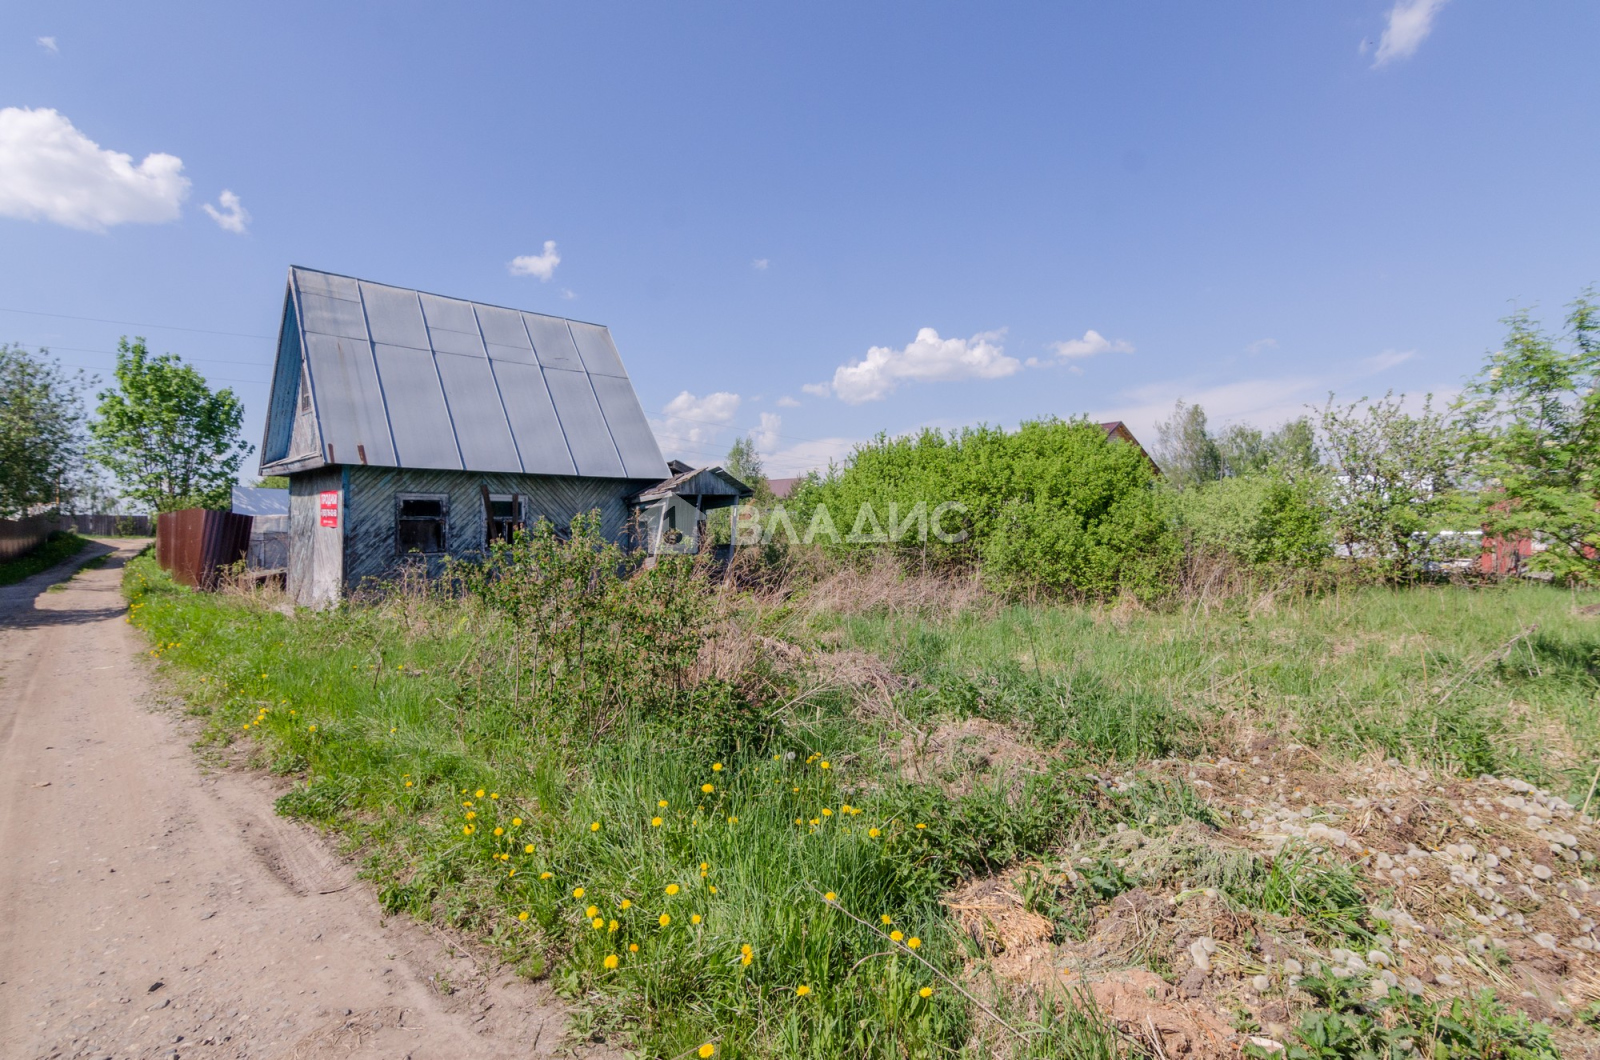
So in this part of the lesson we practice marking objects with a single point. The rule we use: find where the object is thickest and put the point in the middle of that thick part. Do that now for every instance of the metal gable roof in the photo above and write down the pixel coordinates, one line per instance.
(402, 378)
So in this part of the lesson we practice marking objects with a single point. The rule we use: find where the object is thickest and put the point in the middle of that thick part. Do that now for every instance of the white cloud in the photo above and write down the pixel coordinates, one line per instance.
(232, 217)
(767, 434)
(1092, 343)
(540, 265)
(1409, 23)
(49, 45)
(927, 359)
(760, 264)
(787, 402)
(688, 421)
(1261, 346)
(50, 171)
(1386, 360)
(568, 294)
(807, 456)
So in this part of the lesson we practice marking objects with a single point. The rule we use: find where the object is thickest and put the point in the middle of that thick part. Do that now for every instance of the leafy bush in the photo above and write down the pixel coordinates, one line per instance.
(1052, 507)
(1269, 519)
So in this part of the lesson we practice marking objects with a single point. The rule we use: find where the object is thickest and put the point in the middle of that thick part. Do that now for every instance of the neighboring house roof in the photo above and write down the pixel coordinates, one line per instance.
(712, 485)
(260, 500)
(781, 487)
(402, 378)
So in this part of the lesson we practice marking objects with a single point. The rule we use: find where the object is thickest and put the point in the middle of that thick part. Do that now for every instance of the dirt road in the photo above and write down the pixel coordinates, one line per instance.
(149, 908)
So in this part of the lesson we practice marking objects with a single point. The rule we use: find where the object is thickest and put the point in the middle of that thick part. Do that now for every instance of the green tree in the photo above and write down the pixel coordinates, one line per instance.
(1533, 420)
(41, 430)
(168, 438)
(1187, 454)
(1393, 476)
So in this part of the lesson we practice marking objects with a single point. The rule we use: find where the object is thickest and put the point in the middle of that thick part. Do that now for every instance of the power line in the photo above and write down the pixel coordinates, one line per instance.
(135, 324)
(46, 347)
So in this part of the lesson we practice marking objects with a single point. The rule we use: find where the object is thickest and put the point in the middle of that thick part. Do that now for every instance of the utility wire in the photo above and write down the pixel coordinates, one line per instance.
(134, 324)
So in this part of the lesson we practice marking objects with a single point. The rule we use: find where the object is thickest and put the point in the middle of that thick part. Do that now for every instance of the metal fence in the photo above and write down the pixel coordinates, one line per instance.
(194, 544)
(103, 525)
(21, 536)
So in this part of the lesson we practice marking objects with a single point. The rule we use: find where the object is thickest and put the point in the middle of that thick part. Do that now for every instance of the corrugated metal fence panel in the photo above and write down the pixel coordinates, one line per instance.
(104, 525)
(18, 537)
(193, 544)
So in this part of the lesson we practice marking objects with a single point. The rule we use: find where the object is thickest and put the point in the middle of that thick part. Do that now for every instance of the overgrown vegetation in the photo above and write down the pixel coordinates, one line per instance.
(709, 772)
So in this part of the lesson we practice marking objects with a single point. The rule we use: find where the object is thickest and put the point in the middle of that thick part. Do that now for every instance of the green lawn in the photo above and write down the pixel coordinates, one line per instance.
(60, 546)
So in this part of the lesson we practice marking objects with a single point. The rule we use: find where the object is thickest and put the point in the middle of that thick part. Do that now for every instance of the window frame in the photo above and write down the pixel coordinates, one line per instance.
(443, 518)
(517, 518)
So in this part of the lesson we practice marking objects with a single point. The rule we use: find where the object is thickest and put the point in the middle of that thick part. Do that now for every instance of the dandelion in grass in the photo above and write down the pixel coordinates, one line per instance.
(921, 826)
(664, 919)
(467, 829)
(471, 814)
(311, 728)
(712, 887)
(798, 821)
(672, 888)
(595, 827)
(897, 935)
(478, 794)
(655, 822)
(528, 849)
(661, 803)
(827, 812)
(925, 992)
(873, 833)
(611, 961)
(716, 767)
(494, 794)
(633, 947)
(409, 783)
(826, 765)
(577, 892)
(543, 875)
(802, 990)
(815, 821)
(516, 822)
(708, 788)
(830, 897)
(597, 923)
(625, 904)
(612, 926)
(887, 919)
(913, 942)
(694, 918)
(706, 1051)
(523, 915)
(593, 910)
(499, 831)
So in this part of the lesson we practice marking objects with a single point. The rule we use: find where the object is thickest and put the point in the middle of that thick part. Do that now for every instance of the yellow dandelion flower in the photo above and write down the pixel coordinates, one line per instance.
(612, 925)
(471, 814)
(706, 1051)
(513, 872)
(745, 960)
(913, 942)
(661, 803)
(694, 919)
(887, 919)
(672, 888)
(830, 897)
(522, 915)
(625, 904)
(825, 764)
(544, 875)
(595, 827)
(713, 888)
(708, 788)
(591, 911)
(528, 849)
(716, 767)
(611, 961)
(926, 991)
(745, 950)
(896, 935)
(494, 794)
(827, 812)
(874, 833)
(733, 820)
(798, 821)
(478, 794)
(633, 947)
(499, 831)
(311, 728)
(466, 829)
(393, 731)
(516, 822)
(655, 822)
(796, 789)
(664, 919)
(409, 783)
(802, 990)
(577, 892)
(815, 821)
(598, 922)
(922, 826)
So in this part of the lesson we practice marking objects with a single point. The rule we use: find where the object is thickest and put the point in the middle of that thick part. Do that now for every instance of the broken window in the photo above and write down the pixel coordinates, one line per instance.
(503, 518)
(419, 524)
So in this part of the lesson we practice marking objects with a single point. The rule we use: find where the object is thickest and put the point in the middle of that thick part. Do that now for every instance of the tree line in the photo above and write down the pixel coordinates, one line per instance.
(1384, 487)
(161, 438)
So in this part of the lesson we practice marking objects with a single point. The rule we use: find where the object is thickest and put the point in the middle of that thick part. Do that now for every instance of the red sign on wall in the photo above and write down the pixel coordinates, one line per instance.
(330, 508)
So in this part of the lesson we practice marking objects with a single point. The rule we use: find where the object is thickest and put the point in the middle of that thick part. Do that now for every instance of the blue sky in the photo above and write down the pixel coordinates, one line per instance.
(818, 221)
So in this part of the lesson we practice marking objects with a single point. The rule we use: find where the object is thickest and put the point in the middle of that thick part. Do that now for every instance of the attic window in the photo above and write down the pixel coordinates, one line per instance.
(419, 524)
(305, 391)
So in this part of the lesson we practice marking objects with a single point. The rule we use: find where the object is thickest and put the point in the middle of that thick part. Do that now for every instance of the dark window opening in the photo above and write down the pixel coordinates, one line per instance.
(420, 524)
(503, 519)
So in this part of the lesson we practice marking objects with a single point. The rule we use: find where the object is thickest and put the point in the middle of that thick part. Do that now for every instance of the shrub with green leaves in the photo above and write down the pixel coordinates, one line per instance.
(1269, 519)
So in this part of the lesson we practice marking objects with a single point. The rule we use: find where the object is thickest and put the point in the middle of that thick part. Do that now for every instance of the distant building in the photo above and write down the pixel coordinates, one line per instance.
(411, 424)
